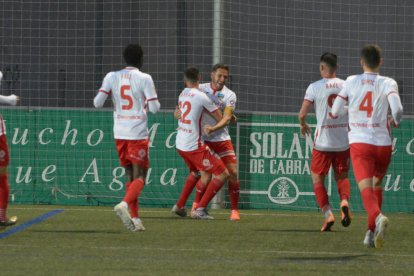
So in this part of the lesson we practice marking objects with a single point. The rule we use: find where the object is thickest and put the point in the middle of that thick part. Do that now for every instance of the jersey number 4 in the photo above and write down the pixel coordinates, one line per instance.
(185, 109)
(366, 104)
(125, 90)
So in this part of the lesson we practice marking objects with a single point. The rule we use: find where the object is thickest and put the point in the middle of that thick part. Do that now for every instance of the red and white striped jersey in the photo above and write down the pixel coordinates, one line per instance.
(330, 134)
(192, 103)
(368, 108)
(222, 99)
(131, 89)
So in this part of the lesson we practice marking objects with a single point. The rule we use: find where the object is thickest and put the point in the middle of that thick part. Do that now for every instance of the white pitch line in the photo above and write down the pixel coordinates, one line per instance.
(161, 249)
(273, 213)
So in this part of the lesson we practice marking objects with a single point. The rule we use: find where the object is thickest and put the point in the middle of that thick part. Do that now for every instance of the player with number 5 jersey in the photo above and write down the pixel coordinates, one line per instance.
(369, 96)
(132, 93)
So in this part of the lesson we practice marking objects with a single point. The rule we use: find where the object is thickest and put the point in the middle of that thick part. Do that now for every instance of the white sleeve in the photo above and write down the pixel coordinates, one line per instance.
(396, 106)
(338, 107)
(154, 106)
(207, 103)
(151, 95)
(103, 92)
(310, 95)
(394, 100)
(11, 100)
(231, 101)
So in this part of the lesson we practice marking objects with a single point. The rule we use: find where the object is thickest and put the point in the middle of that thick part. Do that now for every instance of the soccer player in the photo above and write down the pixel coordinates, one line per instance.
(331, 146)
(4, 163)
(369, 95)
(132, 93)
(218, 139)
(190, 145)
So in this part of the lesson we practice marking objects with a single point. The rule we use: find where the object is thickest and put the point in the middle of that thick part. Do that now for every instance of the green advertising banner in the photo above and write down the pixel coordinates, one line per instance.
(68, 156)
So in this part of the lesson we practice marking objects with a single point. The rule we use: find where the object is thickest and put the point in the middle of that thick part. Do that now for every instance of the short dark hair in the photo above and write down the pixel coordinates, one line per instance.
(191, 74)
(371, 55)
(133, 55)
(330, 59)
(219, 66)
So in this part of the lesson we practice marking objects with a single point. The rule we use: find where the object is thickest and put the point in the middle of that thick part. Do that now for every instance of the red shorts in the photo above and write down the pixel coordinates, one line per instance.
(224, 150)
(322, 161)
(4, 151)
(370, 160)
(203, 159)
(133, 152)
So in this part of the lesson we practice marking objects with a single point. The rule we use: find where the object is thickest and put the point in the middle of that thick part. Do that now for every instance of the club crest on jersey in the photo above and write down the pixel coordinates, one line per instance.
(207, 164)
(2, 154)
(142, 153)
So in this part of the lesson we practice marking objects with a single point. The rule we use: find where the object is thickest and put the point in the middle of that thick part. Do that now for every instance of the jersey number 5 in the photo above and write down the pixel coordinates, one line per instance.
(366, 104)
(187, 108)
(125, 89)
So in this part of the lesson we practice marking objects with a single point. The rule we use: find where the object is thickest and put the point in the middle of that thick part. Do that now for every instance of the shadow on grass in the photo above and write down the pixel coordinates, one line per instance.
(77, 231)
(291, 230)
(323, 259)
(180, 218)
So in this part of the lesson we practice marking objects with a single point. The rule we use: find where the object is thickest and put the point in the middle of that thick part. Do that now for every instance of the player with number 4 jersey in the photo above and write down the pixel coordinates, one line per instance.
(132, 93)
(331, 146)
(369, 96)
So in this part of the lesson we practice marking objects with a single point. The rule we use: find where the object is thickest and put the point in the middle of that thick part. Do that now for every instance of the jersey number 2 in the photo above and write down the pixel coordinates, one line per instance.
(187, 108)
(124, 95)
(366, 104)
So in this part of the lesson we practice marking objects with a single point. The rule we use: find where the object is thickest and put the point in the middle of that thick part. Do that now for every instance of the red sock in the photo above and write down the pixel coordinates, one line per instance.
(320, 194)
(212, 188)
(234, 193)
(378, 194)
(4, 196)
(371, 206)
(200, 190)
(344, 188)
(134, 189)
(187, 189)
(133, 205)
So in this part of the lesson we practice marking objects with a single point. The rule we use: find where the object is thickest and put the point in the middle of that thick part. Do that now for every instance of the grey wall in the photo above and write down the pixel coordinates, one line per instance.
(56, 53)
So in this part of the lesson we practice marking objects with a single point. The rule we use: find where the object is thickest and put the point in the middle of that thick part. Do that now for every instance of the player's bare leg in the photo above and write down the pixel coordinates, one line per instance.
(323, 201)
(4, 199)
(344, 191)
